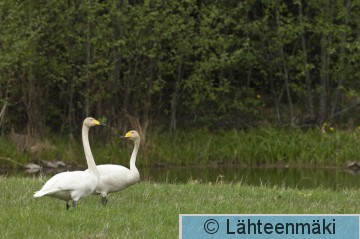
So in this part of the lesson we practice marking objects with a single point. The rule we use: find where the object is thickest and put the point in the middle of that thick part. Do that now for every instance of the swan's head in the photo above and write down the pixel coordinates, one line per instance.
(90, 122)
(132, 135)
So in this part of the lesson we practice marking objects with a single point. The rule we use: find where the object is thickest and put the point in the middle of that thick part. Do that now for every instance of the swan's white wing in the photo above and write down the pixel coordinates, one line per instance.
(52, 185)
(114, 178)
(68, 185)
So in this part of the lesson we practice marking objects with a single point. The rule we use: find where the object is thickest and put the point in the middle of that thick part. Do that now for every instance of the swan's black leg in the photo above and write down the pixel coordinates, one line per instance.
(104, 200)
(67, 206)
(74, 203)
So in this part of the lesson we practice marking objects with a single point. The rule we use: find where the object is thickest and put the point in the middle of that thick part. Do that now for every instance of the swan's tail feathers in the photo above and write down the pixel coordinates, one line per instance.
(44, 192)
(39, 194)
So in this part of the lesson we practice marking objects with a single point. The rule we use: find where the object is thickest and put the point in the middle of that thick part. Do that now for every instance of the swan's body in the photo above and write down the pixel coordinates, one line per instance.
(77, 184)
(69, 186)
(114, 178)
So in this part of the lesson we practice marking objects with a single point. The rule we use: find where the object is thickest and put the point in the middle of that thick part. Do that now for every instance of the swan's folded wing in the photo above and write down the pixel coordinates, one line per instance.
(66, 181)
(113, 178)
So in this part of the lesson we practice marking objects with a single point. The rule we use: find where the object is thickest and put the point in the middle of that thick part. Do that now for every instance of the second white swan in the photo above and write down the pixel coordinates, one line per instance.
(114, 178)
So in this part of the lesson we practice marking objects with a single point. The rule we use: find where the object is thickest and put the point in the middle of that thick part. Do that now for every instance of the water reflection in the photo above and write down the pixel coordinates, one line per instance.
(293, 177)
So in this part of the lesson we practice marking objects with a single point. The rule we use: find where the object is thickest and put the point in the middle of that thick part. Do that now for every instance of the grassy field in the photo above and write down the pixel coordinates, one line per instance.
(151, 210)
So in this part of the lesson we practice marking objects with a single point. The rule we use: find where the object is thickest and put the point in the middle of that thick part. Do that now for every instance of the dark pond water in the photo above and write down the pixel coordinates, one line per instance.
(293, 177)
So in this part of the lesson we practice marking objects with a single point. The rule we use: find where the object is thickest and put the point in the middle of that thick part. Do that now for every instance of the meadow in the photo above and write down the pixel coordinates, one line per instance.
(149, 210)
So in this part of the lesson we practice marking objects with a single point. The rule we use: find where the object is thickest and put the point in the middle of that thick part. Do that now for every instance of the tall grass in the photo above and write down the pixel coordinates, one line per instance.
(257, 146)
(151, 210)
(10, 155)
(252, 147)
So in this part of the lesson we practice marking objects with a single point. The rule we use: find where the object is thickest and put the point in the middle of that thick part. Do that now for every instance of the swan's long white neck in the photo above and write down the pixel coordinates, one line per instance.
(133, 157)
(88, 155)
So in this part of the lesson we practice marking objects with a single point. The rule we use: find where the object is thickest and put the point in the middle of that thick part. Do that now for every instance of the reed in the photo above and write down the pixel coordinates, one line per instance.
(257, 146)
(10, 155)
(199, 146)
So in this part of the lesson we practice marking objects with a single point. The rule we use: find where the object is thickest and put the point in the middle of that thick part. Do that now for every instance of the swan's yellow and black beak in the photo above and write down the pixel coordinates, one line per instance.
(96, 122)
(126, 136)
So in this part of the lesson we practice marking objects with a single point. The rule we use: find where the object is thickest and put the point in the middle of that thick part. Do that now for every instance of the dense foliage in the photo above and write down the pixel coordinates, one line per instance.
(178, 63)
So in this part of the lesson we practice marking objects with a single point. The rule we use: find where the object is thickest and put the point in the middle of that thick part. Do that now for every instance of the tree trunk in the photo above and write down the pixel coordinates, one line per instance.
(285, 71)
(324, 79)
(342, 75)
(88, 60)
(287, 86)
(174, 97)
(305, 66)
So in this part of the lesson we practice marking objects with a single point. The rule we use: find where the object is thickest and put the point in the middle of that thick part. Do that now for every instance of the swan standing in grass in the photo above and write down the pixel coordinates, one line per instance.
(77, 184)
(114, 178)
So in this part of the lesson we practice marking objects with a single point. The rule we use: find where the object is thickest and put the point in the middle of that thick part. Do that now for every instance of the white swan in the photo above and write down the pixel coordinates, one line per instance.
(77, 184)
(114, 178)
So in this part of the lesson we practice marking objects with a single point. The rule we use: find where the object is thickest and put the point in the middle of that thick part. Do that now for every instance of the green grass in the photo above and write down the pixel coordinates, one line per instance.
(151, 210)
(256, 146)
(253, 147)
